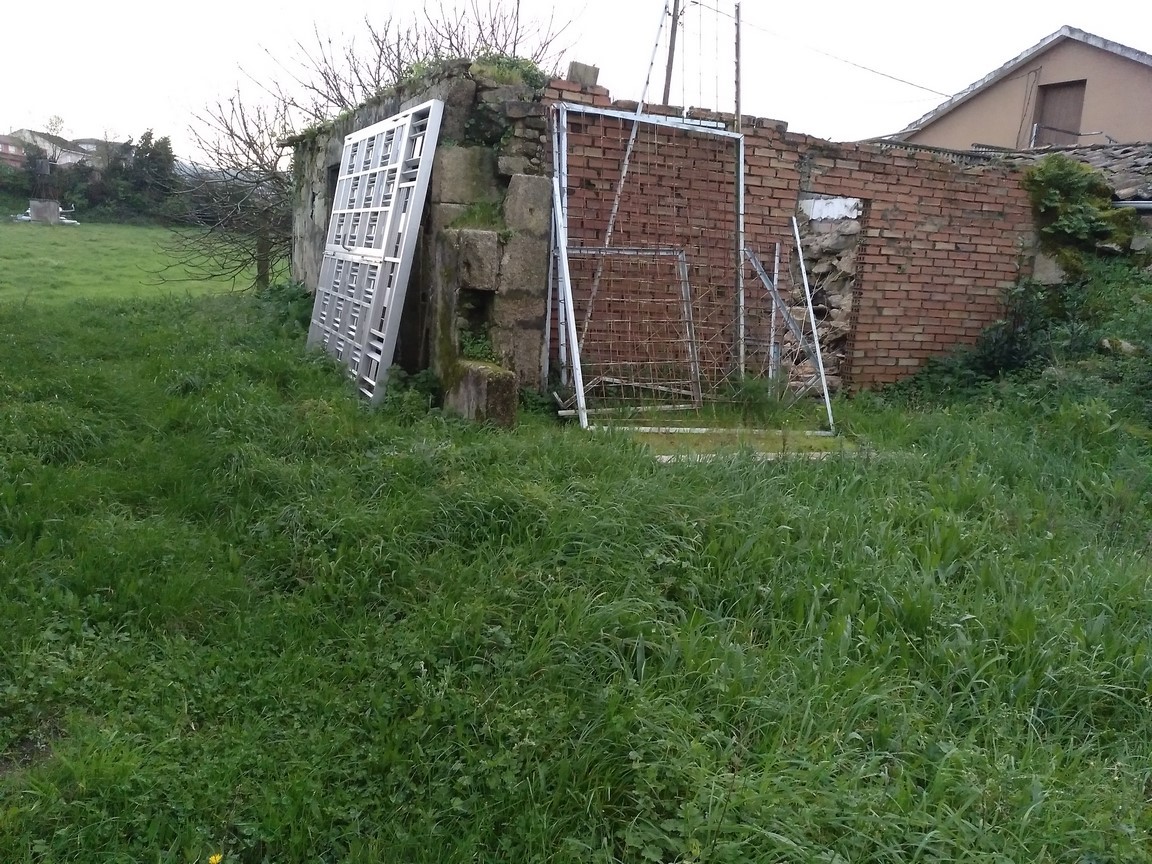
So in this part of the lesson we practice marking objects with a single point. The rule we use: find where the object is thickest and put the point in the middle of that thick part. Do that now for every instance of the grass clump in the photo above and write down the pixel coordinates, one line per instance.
(247, 615)
(482, 214)
(1088, 338)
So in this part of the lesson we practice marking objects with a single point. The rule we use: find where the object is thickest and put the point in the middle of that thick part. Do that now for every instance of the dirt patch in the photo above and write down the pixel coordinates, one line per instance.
(28, 749)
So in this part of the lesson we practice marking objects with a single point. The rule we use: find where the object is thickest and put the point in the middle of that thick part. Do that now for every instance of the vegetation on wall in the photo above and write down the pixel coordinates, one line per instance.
(1072, 204)
(1087, 337)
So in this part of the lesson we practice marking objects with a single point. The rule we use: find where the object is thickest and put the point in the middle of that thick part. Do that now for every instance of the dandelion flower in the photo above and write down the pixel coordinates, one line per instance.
(216, 859)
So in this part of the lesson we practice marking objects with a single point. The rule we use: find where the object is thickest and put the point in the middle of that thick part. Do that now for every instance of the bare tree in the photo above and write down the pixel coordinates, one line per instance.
(327, 79)
(237, 222)
(55, 130)
(234, 217)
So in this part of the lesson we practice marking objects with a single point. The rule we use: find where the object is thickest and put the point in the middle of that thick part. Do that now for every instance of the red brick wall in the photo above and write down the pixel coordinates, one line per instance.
(941, 240)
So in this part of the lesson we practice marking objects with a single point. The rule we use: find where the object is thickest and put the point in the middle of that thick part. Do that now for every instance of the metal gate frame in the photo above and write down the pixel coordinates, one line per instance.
(385, 171)
(569, 332)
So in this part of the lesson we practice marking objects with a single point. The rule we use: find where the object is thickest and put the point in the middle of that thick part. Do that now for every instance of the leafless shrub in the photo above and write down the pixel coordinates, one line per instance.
(237, 222)
(328, 78)
(234, 212)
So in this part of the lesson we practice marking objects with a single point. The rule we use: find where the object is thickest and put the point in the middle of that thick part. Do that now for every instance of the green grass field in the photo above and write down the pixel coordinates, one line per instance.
(243, 615)
(61, 263)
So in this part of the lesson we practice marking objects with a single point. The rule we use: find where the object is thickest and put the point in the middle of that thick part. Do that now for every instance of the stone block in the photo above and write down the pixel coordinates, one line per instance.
(583, 74)
(518, 343)
(1046, 271)
(528, 204)
(478, 255)
(493, 93)
(483, 392)
(524, 268)
(44, 210)
(464, 175)
(457, 94)
(523, 110)
(508, 166)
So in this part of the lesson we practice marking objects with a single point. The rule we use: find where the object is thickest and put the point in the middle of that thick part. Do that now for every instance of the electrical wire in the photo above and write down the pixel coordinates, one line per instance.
(823, 53)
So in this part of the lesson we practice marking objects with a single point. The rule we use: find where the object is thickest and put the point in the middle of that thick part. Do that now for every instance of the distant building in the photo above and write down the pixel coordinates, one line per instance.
(101, 152)
(11, 151)
(59, 150)
(1071, 88)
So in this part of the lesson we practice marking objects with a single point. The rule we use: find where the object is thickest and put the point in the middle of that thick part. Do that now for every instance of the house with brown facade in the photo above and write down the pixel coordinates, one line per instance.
(1070, 89)
(11, 151)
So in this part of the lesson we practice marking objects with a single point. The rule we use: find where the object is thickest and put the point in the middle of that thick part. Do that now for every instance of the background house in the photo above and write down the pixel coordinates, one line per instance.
(11, 151)
(1071, 88)
(59, 150)
(102, 152)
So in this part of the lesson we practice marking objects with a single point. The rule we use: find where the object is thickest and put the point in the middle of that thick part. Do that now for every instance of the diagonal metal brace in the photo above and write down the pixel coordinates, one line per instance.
(789, 321)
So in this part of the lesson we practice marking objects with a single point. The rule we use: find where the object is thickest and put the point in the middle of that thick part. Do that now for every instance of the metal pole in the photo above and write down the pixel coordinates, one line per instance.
(773, 346)
(566, 299)
(671, 51)
(741, 322)
(559, 170)
(739, 119)
(741, 334)
(812, 320)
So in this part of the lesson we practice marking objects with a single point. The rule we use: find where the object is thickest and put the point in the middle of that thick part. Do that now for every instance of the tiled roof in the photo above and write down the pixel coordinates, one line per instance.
(1128, 167)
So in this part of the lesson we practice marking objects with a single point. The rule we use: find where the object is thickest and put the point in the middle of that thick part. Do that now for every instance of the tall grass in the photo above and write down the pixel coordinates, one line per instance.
(60, 263)
(246, 615)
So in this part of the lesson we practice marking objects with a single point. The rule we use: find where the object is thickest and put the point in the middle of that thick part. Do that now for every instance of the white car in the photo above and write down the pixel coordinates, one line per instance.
(26, 216)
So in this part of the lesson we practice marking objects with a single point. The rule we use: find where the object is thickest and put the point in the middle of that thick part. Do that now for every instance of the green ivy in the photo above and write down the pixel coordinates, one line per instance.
(1072, 203)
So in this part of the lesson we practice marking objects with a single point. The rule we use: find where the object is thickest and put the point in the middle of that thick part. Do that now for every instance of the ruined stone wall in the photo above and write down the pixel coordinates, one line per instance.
(478, 285)
(939, 240)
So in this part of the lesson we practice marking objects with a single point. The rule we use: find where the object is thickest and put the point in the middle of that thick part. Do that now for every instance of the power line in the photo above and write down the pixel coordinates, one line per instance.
(824, 53)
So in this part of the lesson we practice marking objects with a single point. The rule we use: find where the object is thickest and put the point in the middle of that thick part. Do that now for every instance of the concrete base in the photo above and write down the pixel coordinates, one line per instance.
(44, 210)
(485, 393)
(1046, 271)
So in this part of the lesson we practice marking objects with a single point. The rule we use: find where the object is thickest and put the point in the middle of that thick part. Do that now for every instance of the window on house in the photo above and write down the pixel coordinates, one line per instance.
(1058, 111)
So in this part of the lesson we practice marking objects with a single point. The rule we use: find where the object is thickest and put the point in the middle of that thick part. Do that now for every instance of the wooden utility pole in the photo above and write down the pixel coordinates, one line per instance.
(671, 50)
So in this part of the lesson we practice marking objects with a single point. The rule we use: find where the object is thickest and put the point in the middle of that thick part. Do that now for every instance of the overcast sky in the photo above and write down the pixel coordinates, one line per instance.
(118, 67)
